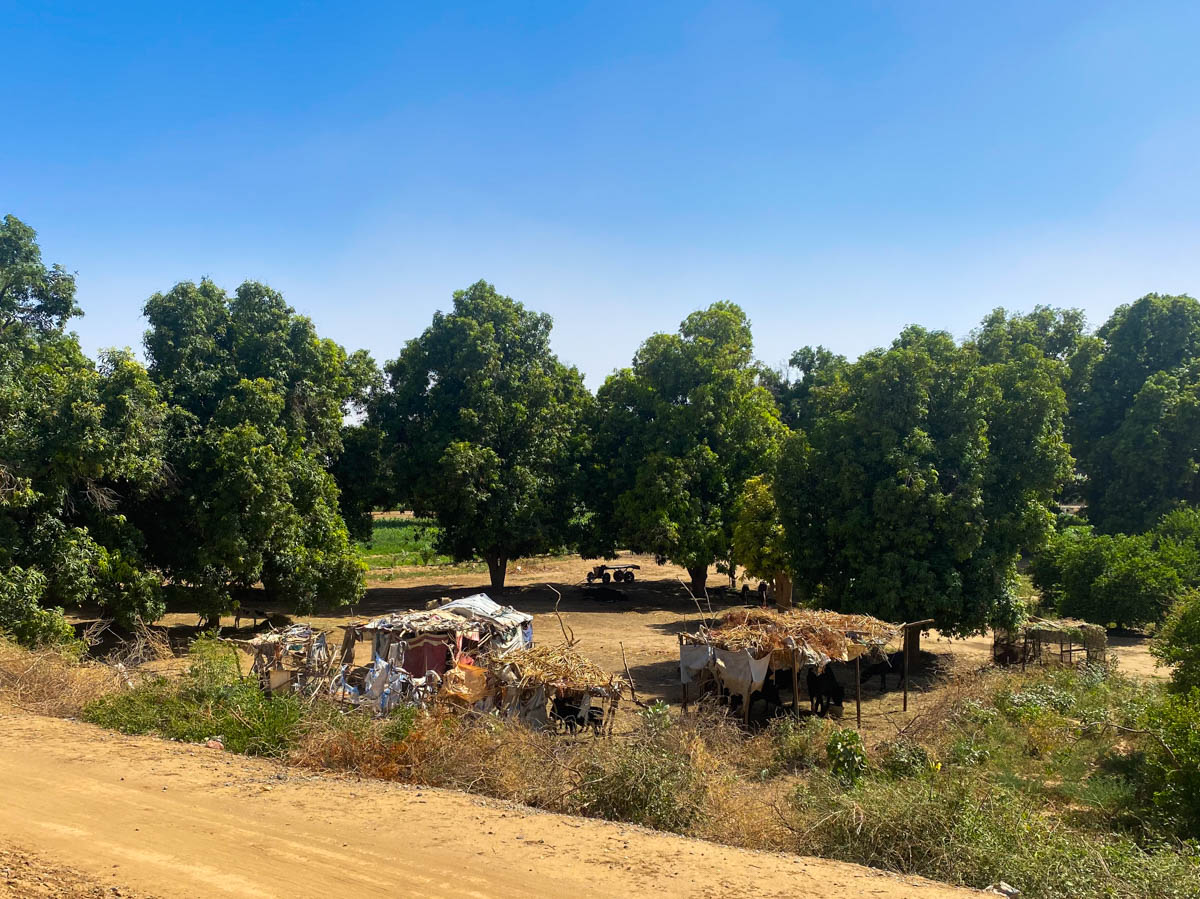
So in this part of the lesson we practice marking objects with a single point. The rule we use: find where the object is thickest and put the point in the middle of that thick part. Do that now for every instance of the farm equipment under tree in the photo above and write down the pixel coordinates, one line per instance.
(622, 574)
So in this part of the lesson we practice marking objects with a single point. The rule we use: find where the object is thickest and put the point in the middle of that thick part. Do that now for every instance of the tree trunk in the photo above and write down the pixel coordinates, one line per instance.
(497, 568)
(783, 590)
(699, 576)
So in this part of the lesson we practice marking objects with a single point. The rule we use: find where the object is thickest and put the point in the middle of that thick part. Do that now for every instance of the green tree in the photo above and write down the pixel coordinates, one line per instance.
(1177, 642)
(759, 541)
(257, 405)
(1125, 406)
(676, 437)
(924, 471)
(482, 429)
(78, 444)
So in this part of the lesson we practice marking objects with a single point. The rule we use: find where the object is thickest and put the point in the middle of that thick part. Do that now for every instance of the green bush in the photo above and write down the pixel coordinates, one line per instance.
(847, 756)
(209, 701)
(1178, 642)
(649, 780)
(958, 830)
(904, 758)
(797, 743)
(1174, 765)
(21, 615)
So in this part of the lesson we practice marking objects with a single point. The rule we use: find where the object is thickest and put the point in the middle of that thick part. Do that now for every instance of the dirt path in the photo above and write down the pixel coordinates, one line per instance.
(139, 816)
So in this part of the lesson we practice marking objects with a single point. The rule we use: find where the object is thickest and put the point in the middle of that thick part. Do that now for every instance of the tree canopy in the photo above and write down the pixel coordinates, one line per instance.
(1136, 401)
(78, 443)
(257, 401)
(482, 427)
(676, 437)
(923, 472)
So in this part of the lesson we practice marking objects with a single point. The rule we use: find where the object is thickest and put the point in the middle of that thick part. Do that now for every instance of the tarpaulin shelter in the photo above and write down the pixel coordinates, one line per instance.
(296, 656)
(416, 653)
(746, 646)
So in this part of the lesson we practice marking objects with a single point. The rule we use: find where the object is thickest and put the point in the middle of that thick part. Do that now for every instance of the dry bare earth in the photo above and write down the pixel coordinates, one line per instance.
(177, 820)
(658, 608)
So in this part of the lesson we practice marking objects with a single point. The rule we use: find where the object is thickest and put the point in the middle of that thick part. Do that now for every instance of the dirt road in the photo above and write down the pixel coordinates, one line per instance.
(150, 817)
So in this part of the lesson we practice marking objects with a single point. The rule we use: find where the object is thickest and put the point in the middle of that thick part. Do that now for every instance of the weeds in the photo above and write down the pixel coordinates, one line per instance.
(1063, 783)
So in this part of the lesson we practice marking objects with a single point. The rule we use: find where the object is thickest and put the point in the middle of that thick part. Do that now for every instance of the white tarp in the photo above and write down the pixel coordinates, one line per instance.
(740, 672)
(693, 658)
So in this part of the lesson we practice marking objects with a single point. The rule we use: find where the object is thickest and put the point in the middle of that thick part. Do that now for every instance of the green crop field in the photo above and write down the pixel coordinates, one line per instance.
(398, 542)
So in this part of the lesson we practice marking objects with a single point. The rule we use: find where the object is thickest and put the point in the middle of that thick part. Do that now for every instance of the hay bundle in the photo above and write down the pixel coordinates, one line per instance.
(560, 669)
(832, 634)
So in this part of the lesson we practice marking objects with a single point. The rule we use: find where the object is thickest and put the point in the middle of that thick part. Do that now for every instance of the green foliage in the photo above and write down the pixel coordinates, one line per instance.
(210, 701)
(257, 404)
(846, 755)
(403, 541)
(22, 616)
(649, 781)
(676, 437)
(1136, 427)
(905, 758)
(924, 471)
(798, 744)
(1174, 764)
(1122, 579)
(79, 443)
(1177, 642)
(951, 828)
(759, 543)
(482, 429)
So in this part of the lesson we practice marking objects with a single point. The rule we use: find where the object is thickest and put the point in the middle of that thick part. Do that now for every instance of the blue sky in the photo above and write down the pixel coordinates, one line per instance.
(839, 169)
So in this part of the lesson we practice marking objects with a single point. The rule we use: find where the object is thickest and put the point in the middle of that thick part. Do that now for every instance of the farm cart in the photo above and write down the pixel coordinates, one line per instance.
(622, 574)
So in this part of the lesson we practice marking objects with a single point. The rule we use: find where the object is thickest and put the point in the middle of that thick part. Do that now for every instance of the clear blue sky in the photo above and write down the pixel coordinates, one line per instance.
(839, 169)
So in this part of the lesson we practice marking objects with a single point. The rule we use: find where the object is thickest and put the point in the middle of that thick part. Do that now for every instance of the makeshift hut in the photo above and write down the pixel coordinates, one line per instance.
(745, 647)
(1041, 641)
(295, 657)
(555, 686)
(414, 652)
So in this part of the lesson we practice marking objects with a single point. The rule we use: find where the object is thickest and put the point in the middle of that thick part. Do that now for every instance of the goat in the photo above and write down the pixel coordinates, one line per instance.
(884, 666)
(824, 690)
(571, 715)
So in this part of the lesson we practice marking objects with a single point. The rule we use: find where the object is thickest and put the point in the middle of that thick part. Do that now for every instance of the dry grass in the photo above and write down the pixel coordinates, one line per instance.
(48, 682)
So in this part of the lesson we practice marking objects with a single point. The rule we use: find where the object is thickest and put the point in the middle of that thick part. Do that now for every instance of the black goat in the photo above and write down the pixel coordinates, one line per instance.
(824, 690)
(567, 714)
(885, 666)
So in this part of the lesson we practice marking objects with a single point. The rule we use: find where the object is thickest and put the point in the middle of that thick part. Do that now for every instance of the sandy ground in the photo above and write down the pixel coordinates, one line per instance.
(642, 630)
(137, 817)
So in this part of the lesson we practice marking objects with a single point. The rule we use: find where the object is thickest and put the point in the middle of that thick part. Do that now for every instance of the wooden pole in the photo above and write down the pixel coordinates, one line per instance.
(681, 680)
(795, 682)
(906, 644)
(858, 691)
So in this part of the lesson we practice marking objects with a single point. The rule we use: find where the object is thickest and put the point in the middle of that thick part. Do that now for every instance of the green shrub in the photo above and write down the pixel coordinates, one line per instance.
(958, 830)
(649, 780)
(1174, 765)
(22, 616)
(1178, 642)
(904, 758)
(797, 743)
(210, 701)
(847, 756)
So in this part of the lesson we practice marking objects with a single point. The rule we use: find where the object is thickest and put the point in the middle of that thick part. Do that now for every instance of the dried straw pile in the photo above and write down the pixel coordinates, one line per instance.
(832, 634)
(561, 669)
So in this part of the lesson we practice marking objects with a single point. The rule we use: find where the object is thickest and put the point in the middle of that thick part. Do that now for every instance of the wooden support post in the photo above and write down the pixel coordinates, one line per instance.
(682, 682)
(858, 691)
(795, 682)
(906, 669)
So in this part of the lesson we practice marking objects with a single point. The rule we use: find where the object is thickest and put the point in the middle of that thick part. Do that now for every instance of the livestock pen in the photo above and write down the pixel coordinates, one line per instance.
(745, 649)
